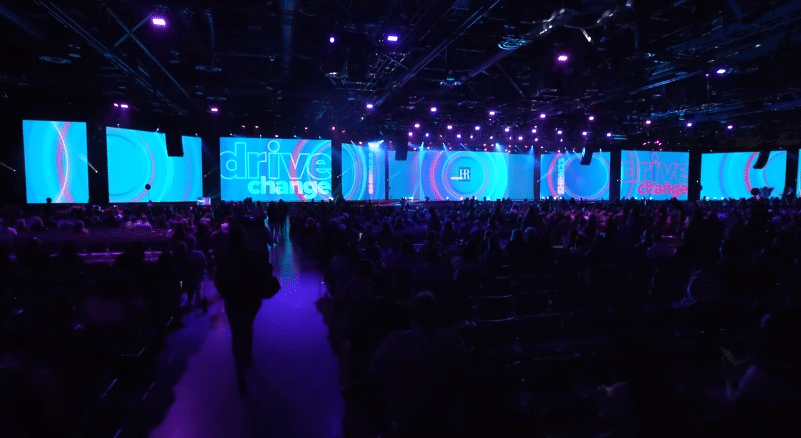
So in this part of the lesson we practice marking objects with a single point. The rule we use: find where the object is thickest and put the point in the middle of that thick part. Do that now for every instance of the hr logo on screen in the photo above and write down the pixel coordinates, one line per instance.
(278, 173)
(560, 176)
(654, 176)
(464, 174)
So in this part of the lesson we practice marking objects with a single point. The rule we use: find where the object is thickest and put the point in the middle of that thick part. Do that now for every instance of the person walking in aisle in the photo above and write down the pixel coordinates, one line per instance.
(240, 281)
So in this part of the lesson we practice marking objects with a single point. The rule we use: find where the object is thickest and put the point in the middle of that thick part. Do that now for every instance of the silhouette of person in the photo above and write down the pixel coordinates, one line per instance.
(240, 283)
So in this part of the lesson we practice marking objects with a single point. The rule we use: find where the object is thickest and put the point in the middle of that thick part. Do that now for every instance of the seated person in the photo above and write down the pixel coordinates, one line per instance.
(432, 274)
(416, 369)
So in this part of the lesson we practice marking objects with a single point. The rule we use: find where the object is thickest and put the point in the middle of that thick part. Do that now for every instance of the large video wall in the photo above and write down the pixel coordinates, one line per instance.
(273, 169)
(732, 175)
(654, 175)
(454, 175)
(56, 166)
(137, 158)
(364, 171)
(563, 176)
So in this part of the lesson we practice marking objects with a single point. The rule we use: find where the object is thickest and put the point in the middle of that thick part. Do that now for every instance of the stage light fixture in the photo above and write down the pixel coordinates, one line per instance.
(411, 133)
(520, 138)
(559, 132)
(369, 106)
(721, 71)
(584, 133)
(159, 22)
(433, 109)
(392, 38)
(533, 131)
(506, 130)
(689, 124)
(648, 122)
(427, 135)
(562, 58)
(214, 109)
(730, 127)
(117, 105)
(243, 126)
(608, 134)
(257, 126)
(333, 128)
(591, 118)
(332, 40)
(492, 113)
(124, 105)
(542, 115)
(458, 135)
(417, 126)
(450, 127)
(478, 128)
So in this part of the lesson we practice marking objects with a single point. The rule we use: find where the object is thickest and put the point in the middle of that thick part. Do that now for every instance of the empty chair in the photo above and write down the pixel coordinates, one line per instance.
(497, 333)
(542, 328)
(532, 303)
(496, 307)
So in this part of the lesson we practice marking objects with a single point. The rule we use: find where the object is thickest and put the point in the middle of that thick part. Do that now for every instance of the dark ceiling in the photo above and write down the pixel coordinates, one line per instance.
(270, 63)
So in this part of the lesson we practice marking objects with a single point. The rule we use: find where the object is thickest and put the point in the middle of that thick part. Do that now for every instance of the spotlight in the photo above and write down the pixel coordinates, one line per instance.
(117, 105)
(730, 127)
(417, 126)
(689, 124)
(478, 128)
(559, 132)
(427, 135)
(392, 38)
(332, 40)
(214, 109)
(333, 128)
(124, 105)
(648, 122)
(492, 113)
(159, 22)
(542, 115)
(411, 133)
(243, 126)
(369, 106)
(584, 133)
(721, 71)
(562, 58)
(520, 138)
(257, 127)
(306, 128)
(608, 134)
(506, 130)
(533, 131)
(433, 109)
(458, 135)
(450, 127)
(591, 118)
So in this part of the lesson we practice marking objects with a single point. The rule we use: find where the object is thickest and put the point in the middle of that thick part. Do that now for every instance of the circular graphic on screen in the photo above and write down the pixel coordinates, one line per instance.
(357, 180)
(464, 174)
(580, 182)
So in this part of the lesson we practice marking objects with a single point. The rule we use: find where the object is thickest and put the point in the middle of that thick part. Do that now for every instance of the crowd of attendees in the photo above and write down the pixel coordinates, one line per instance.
(471, 318)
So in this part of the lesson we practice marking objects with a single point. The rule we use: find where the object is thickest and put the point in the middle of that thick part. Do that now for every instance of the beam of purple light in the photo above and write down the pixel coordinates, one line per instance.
(159, 22)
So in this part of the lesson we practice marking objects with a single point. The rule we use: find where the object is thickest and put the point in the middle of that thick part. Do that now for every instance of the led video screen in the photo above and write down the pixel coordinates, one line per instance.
(654, 175)
(563, 176)
(272, 169)
(363, 172)
(138, 158)
(454, 175)
(732, 175)
(56, 166)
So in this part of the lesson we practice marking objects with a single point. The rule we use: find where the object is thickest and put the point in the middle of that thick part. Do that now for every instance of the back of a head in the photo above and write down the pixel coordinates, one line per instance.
(181, 250)
(432, 257)
(431, 237)
(191, 243)
(237, 240)
(530, 235)
(517, 235)
(424, 310)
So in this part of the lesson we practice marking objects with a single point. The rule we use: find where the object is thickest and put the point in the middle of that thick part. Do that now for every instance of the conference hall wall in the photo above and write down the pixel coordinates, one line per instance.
(272, 169)
(654, 175)
(732, 175)
(55, 161)
(453, 175)
(137, 158)
(364, 171)
(563, 176)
